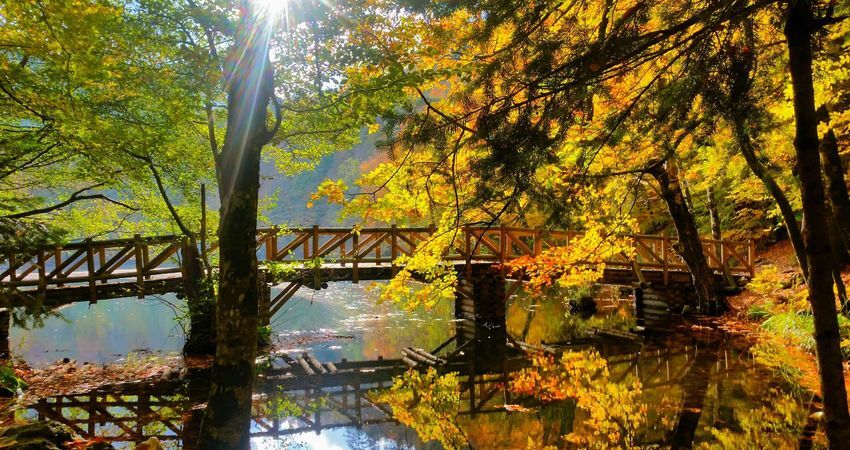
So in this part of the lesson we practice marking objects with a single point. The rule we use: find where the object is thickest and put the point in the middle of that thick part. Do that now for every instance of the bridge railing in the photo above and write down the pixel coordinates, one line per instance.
(140, 259)
(92, 263)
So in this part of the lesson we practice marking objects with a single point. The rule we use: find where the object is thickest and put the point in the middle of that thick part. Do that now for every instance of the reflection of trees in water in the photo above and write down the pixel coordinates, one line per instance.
(696, 397)
(533, 318)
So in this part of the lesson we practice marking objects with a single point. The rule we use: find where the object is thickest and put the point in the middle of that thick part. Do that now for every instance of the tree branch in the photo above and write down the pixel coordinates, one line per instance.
(75, 197)
(163, 193)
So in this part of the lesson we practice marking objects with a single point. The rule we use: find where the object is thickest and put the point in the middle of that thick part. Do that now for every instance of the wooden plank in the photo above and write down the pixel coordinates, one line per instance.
(518, 242)
(482, 239)
(375, 245)
(102, 257)
(57, 262)
(409, 240)
(115, 261)
(13, 266)
(58, 270)
(305, 365)
(316, 253)
(271, 245)
(166, 253)
(317, 366)
(336, 241)
(284, 297)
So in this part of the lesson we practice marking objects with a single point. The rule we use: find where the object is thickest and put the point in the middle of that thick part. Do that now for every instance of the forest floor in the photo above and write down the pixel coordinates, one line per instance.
(774, 311)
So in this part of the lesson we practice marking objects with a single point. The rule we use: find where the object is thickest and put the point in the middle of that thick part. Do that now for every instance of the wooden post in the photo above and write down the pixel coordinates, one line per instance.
(42, 276)
(91, 271)
(57, 261)
(315, 241)
(271, 245)
(102, 257)
(538, 243)
(145, 259)
(394, 247)
(342, 252)
(355, 276)
(140, 265)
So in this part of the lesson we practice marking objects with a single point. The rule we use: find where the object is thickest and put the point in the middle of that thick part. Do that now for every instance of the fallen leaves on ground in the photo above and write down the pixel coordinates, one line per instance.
(68, 377)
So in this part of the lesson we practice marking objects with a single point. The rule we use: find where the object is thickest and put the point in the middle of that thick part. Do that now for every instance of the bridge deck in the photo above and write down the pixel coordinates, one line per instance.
(93, 270)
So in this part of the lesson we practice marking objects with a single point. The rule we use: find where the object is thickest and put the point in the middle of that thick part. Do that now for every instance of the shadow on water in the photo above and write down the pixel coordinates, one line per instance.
(335, 378)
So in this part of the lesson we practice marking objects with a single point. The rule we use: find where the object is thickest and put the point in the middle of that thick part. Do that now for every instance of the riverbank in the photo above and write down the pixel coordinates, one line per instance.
(775, 312)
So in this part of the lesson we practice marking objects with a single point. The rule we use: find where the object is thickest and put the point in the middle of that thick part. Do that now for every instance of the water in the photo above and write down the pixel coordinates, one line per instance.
(697, 387)
(104, 332)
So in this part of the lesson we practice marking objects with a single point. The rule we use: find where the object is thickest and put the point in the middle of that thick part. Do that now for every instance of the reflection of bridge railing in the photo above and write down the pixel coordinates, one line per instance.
(142, 265)
(135, 412)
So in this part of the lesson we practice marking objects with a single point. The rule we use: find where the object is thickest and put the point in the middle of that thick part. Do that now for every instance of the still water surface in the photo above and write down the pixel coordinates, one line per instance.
(702, 388)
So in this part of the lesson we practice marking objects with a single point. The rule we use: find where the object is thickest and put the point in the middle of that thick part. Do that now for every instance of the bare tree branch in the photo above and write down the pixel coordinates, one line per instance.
(75, 197)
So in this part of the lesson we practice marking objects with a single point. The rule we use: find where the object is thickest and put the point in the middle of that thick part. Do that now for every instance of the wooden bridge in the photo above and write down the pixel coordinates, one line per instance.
(100, 269)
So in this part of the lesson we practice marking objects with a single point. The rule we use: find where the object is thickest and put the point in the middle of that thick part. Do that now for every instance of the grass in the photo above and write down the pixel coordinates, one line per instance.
(797, 328)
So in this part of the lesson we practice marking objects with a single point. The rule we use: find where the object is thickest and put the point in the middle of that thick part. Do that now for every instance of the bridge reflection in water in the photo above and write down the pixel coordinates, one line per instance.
(296, 393)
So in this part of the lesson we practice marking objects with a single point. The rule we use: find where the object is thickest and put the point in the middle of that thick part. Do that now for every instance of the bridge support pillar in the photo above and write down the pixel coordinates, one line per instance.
(655, 304)
(480, 304)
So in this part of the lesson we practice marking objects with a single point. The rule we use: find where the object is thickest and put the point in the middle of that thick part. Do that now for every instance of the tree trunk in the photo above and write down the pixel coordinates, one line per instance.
(795, 233)
(5, 326)
(200, 302)
(798, 32)
(250, 88)
(839, 258)
(836, 187)
(836, 241)
(689, 246)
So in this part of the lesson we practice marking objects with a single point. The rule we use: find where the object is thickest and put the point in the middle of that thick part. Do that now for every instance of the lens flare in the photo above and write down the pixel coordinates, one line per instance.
(274, 8)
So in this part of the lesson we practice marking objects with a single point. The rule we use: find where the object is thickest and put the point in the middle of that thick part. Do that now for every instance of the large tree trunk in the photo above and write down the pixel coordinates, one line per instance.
(795, 233)
(250, 89)
(5, 326)
(689, 246)
(200, 302)
(798, 32)
(833, 172)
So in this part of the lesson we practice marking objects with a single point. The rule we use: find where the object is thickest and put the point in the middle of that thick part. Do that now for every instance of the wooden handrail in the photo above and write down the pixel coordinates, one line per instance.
(91, 261)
